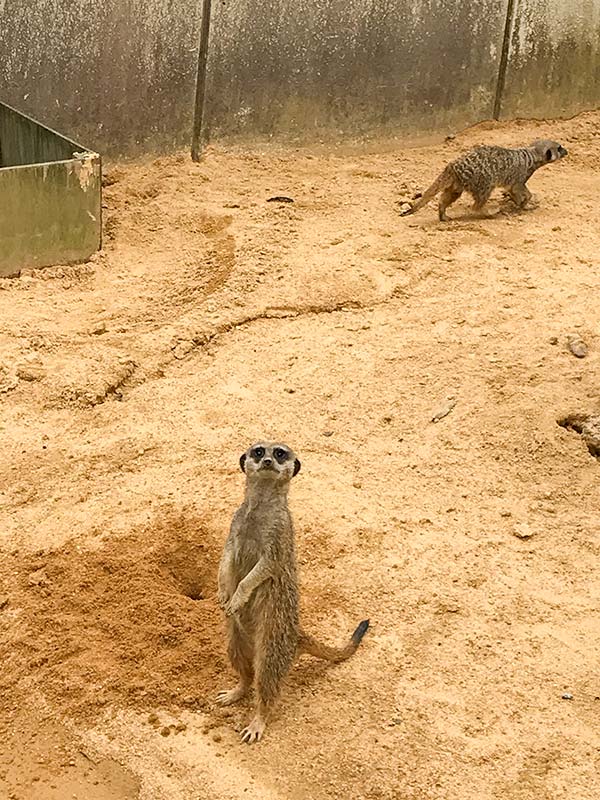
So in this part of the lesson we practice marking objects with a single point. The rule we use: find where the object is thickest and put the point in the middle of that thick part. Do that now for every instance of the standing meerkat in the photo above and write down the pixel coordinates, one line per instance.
(258, 586)
(483, 169)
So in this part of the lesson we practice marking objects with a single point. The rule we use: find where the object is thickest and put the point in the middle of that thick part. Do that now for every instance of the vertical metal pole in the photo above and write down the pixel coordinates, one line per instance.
(508, 27)
(201, 80)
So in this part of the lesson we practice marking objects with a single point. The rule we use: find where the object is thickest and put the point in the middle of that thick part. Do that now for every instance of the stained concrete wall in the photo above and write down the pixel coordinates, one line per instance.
(306, 68)
(554, 59)
(117, 75)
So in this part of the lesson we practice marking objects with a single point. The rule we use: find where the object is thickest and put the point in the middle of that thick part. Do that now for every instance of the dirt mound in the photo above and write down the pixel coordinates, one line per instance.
(133, 622)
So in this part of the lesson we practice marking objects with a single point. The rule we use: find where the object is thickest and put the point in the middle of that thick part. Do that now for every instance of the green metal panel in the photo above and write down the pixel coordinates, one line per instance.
(24, 141)
(50, 196)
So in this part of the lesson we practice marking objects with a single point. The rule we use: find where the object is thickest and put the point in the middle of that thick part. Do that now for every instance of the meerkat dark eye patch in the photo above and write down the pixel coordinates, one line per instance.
(548, 154)
(243, 462)
(257, 453)
(297, 466)
(280, 454)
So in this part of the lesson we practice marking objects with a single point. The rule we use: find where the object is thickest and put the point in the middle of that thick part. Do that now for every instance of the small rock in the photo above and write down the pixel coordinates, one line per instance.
(3, 602)
(216, 737)
(182, 348)
(444, 409)
(30, 372)
(166, 731)
(357, 485)
(180, 727)
(553, 340)
(576, 345)
(567, 696)
(327, 433)
(189, 700)
(522, 531)
(153, 719)
(38, 578)
(98, 329)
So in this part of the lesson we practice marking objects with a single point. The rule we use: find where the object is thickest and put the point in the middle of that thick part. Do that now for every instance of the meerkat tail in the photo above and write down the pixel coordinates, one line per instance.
(308, 644)
(436, 187)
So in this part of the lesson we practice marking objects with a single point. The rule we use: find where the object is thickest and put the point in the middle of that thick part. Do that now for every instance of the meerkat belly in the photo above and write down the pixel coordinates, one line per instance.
(274, 604)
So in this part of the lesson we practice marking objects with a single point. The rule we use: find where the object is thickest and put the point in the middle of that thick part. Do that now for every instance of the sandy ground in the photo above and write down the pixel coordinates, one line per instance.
(129, 387)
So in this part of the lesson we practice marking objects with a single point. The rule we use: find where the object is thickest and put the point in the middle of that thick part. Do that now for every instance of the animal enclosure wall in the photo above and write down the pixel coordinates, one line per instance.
(120, 74)
(117, 74)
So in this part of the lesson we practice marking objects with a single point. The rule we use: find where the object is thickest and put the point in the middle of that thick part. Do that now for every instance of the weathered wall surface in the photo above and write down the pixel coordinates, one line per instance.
(116, 75)
(119, 75)
(306, 68)
(554, 59)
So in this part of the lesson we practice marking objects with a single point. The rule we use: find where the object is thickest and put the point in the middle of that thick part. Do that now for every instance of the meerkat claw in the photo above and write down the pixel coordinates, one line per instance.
(254, 731)
(229, 696)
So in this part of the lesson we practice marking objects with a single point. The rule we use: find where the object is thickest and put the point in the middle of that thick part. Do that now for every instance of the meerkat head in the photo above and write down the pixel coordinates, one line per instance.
(548, 150)
(270, 461)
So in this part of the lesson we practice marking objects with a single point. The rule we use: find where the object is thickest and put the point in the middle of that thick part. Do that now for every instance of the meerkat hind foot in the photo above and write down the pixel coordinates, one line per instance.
(254, 731)
(229, 696)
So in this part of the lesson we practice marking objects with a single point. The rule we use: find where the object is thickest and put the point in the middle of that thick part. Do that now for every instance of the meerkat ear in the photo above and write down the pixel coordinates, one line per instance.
(243, 462)
(297, 466)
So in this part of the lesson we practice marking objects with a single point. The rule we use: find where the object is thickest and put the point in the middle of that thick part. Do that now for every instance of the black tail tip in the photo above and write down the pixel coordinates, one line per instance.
(360, 631)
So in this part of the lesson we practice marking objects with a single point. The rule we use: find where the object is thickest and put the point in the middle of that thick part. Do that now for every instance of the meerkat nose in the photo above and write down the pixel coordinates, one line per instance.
(267, 462)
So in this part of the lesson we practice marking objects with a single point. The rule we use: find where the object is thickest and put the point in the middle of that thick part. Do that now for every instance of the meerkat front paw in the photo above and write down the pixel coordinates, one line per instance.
(222, 598)
(234, 605)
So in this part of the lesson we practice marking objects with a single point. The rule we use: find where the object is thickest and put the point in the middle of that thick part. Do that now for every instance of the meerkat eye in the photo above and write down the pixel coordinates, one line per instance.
(258, 453)
(280, 454)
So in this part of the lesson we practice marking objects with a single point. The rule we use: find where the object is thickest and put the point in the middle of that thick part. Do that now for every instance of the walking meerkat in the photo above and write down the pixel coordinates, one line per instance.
(258, 586)
(483, 169)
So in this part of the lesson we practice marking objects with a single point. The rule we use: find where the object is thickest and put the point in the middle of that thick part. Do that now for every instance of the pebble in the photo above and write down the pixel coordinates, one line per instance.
(189, 700)
(98, 329)
(567, 696)
(182, 348)
(522, 531)
(30, 373)
(444, 410)
(577, 346)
